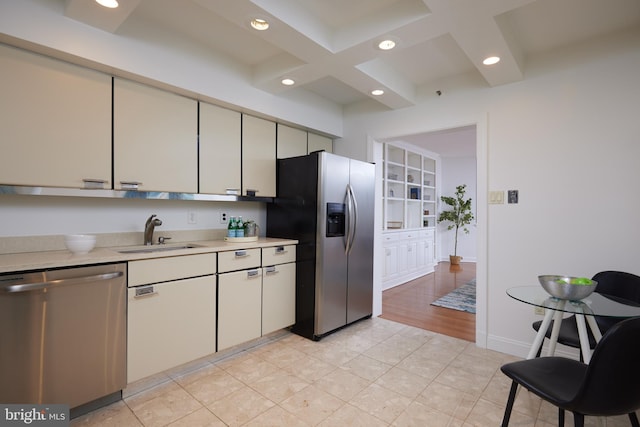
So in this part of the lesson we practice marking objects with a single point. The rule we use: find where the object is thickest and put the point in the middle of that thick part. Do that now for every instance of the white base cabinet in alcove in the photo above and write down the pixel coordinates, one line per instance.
(407, 256)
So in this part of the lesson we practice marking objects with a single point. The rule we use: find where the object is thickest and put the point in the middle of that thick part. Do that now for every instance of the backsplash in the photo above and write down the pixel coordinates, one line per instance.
(22, 244)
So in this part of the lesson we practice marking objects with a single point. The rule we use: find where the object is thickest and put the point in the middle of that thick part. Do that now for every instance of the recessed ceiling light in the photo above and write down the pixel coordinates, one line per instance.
(111, 4)
(259, 24)
(288, 82)
(491, 60)
(387, 44)
(377, 92)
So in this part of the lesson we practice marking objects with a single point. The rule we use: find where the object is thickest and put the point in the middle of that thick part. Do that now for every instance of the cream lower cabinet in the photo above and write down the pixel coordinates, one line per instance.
(278, 288)
(239, 308)
(56, 122)
(239, 296)
(408, 255)
(258, 299)
(171, 320)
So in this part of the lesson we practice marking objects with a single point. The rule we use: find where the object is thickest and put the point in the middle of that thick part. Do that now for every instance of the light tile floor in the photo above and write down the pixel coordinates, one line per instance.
(373, 373)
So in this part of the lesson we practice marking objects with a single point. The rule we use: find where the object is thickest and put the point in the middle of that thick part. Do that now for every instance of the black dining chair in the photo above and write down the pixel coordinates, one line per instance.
(617, 285)
(607, 386)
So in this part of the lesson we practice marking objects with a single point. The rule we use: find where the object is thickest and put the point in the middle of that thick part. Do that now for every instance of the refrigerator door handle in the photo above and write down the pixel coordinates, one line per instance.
(352, 217)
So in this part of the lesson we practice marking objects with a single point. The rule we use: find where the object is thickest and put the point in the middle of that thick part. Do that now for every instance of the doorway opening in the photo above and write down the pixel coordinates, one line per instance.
(410, 302)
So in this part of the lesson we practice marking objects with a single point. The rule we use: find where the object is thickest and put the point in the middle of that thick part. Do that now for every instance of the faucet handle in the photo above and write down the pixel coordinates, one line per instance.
(162, 239)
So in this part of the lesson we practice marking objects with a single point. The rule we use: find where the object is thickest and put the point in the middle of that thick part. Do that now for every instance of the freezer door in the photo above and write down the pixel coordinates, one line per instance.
(360, 232)
(331, 258)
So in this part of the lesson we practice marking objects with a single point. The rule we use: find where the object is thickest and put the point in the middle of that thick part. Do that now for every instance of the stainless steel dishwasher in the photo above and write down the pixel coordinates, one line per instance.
(63, 336)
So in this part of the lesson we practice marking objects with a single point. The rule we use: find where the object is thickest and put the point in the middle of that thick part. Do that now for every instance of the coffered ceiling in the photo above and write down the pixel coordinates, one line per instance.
(329, 47)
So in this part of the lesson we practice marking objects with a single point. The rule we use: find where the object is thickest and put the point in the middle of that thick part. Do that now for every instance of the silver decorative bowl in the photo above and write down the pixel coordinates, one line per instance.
(565, 287)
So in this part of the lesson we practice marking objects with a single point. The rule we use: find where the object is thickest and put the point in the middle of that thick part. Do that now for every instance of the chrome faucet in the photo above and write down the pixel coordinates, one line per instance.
(149, 226)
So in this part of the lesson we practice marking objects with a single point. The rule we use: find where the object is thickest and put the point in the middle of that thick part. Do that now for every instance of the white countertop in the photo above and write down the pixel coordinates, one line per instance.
(52, 259)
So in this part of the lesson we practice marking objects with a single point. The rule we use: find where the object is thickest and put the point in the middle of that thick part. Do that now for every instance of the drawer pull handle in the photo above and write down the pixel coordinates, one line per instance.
(241, 254)
(280, 250)
(271, 270)
(145, 292)
(92, 183)
(130, 185)
(253, 273)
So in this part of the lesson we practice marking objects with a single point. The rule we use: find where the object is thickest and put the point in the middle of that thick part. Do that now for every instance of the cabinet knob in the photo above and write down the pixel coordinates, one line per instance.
(240, 254)
(253, 273)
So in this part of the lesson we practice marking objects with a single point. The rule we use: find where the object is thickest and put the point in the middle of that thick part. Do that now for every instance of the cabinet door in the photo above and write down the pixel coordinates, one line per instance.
(278, 297)
(258, 156)
(155, 139)
(239, 307)
(291, 142)
(412, 255)
(421, 251)
(170, 324)
(56, 122)
(390, 261)
(220, 150)
(318, 142)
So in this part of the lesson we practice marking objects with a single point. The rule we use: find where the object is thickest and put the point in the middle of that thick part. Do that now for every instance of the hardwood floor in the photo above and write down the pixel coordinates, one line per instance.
(410, 303)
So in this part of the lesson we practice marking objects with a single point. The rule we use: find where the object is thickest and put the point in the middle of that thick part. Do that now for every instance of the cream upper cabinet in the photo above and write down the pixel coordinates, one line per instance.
(291, 142)
(155, 139)
(318, 142)
(220, 149)
(56, 122)
(258, 156)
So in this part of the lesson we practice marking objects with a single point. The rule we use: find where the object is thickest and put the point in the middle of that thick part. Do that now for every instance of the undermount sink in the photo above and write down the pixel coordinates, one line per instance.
(157, 248)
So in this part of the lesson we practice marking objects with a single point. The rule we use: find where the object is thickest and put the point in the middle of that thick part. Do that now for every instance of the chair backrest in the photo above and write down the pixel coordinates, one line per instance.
(612, 381)
(618, 284)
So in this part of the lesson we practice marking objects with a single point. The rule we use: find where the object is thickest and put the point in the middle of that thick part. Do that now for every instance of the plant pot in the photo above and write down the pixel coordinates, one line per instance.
(455, 259)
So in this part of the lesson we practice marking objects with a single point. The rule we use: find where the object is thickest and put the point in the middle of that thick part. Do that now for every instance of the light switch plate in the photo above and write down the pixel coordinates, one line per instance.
(496, 197)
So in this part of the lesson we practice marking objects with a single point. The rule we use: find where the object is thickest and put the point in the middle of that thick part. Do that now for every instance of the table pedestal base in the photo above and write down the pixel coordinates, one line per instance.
(555, 313)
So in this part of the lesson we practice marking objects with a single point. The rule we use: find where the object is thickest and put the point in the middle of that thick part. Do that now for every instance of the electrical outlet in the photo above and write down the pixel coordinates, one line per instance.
(192, 218)
(224, 217)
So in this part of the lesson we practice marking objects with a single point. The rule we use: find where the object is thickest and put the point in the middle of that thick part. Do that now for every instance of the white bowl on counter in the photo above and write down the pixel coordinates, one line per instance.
(79, 244)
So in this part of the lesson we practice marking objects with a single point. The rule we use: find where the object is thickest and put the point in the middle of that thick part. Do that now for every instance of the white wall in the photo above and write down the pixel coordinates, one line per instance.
(47, 215)
(567, 137)
(457, 171)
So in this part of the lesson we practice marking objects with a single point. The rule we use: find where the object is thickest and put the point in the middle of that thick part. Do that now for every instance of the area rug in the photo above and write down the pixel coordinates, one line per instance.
(461, 299)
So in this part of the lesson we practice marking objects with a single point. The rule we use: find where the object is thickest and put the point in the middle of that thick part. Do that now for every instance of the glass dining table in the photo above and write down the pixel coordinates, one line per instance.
(585, 310)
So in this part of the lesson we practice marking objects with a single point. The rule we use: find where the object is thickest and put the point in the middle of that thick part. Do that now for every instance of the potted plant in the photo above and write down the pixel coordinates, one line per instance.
(459, 216)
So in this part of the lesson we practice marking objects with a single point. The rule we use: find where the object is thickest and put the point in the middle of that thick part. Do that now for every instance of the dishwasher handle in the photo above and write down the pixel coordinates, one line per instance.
(25, 287)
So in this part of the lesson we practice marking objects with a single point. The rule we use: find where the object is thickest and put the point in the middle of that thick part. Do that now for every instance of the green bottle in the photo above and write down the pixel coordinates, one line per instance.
(240, 227)
(231, 229)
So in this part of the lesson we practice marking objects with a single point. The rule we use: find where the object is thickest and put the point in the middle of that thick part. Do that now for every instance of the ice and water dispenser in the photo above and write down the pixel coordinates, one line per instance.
(335, 219)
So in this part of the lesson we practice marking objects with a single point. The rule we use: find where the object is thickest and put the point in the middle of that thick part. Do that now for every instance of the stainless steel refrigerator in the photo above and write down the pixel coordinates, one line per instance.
(327, 203)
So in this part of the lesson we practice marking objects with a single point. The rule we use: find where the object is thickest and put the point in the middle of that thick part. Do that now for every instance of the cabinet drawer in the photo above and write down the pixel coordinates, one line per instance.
(278, 255)
(390, 237)
(240, 259)
(142, 272)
